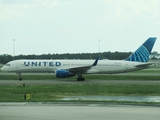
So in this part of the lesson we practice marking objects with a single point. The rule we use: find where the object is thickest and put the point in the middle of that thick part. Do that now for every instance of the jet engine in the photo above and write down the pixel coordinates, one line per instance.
(63, 74)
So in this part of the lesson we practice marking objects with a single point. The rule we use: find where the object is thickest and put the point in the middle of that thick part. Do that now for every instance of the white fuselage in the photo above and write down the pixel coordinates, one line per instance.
(50, 66)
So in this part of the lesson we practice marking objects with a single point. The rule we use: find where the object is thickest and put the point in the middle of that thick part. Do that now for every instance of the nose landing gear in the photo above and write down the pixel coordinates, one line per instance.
(20, 77)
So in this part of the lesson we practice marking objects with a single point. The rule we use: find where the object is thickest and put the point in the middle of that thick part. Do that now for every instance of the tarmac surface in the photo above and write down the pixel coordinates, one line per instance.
(54, 82)
(73, 112)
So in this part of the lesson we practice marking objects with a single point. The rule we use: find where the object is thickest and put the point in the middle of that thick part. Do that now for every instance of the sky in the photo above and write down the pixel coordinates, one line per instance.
(77, 26)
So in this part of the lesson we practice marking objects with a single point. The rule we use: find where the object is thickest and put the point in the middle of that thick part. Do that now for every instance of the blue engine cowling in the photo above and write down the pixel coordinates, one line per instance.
(63, 74)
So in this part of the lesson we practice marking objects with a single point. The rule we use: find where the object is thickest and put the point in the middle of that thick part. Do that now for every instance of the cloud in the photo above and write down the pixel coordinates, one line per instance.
(9, 11)
(48, 3)
(8, 14)
(69, 3)
(126, 9)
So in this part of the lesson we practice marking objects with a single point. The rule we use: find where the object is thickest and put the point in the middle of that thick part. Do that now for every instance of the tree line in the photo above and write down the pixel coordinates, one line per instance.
(105, 55)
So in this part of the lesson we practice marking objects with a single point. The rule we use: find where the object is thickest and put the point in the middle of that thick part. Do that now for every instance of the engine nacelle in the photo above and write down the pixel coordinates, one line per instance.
(63, 74)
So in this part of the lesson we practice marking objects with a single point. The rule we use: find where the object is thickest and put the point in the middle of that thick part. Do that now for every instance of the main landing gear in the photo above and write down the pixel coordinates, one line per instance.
(20, 77)
(80, 78)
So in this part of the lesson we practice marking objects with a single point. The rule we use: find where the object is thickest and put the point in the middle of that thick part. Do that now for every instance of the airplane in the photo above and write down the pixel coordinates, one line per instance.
(69, 68)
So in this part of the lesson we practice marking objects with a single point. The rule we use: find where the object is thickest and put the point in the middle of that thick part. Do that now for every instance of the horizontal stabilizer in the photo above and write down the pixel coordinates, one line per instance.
(145, 65)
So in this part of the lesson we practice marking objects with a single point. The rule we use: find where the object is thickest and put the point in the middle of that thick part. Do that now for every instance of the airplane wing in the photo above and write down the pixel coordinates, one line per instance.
(83, 69)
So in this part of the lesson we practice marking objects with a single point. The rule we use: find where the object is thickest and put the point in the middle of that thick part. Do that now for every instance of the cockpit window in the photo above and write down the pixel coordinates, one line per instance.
(8, 64)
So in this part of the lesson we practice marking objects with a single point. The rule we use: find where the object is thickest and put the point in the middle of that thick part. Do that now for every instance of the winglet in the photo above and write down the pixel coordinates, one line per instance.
(143, 52)
(95, 62)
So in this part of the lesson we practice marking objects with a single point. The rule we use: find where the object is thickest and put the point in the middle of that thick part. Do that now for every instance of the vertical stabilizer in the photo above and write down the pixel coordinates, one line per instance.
(143, 52)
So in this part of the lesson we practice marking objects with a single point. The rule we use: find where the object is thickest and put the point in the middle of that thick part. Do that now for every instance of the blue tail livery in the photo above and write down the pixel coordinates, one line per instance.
(143, 52)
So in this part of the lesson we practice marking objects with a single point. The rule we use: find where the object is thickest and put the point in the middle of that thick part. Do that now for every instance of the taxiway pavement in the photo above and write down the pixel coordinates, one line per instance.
(54, 82)
(71, 112)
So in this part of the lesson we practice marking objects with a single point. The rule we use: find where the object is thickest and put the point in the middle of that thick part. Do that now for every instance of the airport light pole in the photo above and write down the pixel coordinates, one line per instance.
(13, 48)
(99, 46)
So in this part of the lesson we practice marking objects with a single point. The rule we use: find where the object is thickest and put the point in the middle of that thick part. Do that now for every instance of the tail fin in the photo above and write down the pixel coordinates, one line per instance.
(143, 52)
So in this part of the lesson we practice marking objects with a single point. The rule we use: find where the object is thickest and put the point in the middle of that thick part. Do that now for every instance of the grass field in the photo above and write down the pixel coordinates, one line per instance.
(52, 93)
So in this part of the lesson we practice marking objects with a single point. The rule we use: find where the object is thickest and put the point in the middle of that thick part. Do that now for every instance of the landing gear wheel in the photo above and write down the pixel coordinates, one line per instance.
(20, 78)
(81, 79)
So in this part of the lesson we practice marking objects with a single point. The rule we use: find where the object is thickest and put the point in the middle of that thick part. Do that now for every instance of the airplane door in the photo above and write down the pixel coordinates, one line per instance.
(126, 67)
